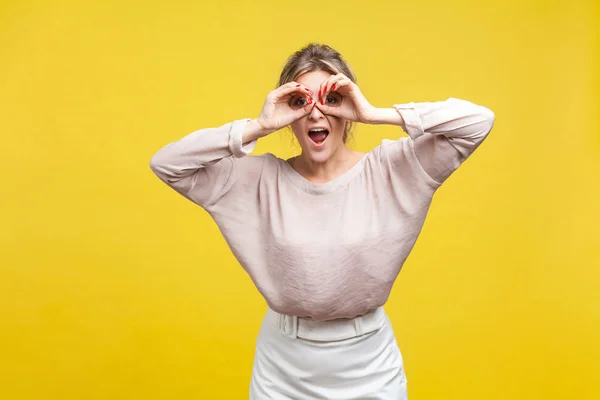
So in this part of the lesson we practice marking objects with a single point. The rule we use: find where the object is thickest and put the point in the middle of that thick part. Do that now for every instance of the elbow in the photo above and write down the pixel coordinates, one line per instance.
(154, 163)
(479, 119)
(164, 167)
(487, 119)
(158, 165)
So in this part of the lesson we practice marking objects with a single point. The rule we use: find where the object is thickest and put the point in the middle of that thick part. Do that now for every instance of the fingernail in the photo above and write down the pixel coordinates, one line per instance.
(308, 90)
(333, 87)
(297, 85)
(322, 102)
(319, 92)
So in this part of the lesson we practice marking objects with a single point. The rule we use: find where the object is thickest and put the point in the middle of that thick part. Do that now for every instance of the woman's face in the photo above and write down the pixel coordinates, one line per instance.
(320, 144)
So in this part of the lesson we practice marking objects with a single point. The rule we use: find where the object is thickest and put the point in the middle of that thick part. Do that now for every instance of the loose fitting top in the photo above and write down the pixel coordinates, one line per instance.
(331, 250)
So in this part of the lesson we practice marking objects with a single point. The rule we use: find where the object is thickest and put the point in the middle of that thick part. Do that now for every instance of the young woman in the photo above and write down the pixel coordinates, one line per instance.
(324, 235)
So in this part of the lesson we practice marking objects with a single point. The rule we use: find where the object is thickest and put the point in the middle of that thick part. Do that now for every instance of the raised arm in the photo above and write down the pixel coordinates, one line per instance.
(202, 165)
(444, 133)
(199, 165)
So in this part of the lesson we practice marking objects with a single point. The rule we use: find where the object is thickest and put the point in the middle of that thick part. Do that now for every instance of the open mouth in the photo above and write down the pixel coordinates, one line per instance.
(318, 135)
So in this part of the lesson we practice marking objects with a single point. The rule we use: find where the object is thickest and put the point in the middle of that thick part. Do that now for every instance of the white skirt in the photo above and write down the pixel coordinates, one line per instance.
(344, 359)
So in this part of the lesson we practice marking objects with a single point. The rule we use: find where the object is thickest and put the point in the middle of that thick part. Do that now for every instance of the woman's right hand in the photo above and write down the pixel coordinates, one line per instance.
(284, 105)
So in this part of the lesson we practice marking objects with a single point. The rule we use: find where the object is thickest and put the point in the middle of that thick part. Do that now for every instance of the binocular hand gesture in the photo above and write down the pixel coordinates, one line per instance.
(284, 105)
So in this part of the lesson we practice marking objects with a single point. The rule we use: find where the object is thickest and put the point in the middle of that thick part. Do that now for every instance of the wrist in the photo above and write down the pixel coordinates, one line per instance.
(254, 130)
(386, 116)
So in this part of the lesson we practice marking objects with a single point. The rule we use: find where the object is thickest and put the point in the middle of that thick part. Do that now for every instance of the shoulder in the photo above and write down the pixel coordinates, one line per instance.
(269, 160)
(397, 160)
(392, 151)
(254, 164)
(260, 159)
(390, 154)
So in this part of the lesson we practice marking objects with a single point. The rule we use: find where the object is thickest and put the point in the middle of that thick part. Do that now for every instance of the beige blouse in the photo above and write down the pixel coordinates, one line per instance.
(329, 250)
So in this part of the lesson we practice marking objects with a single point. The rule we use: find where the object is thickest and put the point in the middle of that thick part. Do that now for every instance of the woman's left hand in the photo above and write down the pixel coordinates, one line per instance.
(340, 97)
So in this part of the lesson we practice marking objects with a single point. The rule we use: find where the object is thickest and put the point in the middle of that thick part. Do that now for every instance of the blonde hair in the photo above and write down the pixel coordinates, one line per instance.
(315, 57)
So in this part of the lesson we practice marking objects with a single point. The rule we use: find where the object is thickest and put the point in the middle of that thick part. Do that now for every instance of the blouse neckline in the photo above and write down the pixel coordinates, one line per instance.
(327, 187)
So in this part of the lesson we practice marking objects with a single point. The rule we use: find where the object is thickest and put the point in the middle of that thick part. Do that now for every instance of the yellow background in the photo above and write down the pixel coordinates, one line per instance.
(112, 286)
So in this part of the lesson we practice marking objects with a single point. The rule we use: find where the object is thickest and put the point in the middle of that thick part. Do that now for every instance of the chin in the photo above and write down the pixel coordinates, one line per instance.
(320, 155)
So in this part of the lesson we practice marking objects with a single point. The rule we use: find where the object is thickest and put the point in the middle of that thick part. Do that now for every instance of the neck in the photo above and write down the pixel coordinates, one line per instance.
(339, 162)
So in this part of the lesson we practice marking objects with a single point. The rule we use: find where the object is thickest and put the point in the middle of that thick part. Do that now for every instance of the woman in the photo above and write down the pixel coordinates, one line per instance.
(324, 235)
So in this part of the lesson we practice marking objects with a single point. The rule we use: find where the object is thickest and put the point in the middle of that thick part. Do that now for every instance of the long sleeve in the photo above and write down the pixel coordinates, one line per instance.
(445, 133)
(201, 165)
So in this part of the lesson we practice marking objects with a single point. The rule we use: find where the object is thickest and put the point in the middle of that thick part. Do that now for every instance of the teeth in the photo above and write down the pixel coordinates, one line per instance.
(318, 130)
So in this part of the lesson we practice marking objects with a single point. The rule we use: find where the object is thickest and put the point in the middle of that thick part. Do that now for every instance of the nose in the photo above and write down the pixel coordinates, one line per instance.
(315, 113)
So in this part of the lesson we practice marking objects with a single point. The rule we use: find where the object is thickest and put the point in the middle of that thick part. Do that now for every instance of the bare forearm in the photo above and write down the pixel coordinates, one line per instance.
(253, 131)
(387, 116)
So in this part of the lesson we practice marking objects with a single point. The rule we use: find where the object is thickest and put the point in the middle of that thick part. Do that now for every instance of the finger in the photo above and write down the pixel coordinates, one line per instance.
(298, 100)
(335, 87)
(310, 92)
(336, 95)
(305, 110)
(332, 83)
(328, 110)
(322, 89)
(290, 88)
(340, 83)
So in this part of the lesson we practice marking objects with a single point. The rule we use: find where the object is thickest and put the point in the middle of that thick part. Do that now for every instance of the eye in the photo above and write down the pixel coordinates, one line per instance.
(298, 102)
(333, 99)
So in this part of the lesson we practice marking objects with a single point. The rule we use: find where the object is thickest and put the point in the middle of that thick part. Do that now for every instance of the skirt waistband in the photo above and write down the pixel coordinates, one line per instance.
(324, 331)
